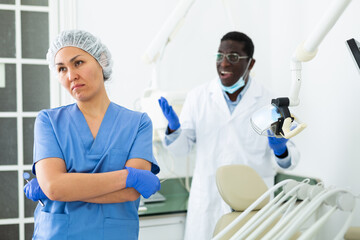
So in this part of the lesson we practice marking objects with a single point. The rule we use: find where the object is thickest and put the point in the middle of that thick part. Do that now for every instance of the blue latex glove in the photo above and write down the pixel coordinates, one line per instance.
(145, 182)
(169, 113)
(278, 145)
(33, 191)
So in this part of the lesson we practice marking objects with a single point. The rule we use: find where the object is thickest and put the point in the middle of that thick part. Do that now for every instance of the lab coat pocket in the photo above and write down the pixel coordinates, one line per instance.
(117, 159)
(115, 229)
(51, 226)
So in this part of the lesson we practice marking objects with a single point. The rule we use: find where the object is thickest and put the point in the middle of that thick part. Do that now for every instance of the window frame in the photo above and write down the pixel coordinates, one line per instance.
(62, 15)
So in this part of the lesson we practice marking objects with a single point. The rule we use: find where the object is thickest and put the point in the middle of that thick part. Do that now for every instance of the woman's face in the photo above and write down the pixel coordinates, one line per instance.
(79, 73)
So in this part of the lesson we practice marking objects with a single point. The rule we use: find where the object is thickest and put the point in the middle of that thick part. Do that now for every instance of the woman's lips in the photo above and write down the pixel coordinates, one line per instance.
(77, 86)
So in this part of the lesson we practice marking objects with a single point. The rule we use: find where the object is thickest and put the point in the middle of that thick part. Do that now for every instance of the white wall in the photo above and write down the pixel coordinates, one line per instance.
(329, 95)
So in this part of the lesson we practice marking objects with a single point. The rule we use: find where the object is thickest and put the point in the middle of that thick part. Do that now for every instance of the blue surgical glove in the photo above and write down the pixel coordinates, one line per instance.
(145, 182)
(33, 191)
(169, 113)
(278, 145)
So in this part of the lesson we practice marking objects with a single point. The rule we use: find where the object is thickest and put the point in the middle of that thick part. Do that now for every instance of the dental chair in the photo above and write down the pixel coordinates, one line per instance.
(239, 186)
(353, 233)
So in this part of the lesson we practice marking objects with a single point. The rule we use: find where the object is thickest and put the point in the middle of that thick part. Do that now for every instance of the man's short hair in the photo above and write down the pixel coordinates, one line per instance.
(242, 38)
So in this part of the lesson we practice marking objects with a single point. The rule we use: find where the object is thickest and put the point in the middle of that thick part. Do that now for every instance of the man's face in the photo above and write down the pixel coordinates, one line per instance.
(230, 73)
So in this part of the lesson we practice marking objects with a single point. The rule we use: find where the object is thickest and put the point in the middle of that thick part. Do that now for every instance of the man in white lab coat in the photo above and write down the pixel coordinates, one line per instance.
(216, 116)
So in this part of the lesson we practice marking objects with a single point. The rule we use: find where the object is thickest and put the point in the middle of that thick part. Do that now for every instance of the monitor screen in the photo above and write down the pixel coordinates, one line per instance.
(354, 47)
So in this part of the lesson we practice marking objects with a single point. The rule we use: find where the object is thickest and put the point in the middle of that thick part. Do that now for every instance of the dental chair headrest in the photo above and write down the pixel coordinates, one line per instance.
(240, 186)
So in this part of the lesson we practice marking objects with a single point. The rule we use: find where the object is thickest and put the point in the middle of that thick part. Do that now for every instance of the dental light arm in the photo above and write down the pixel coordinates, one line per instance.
(167, 32)
(307, 50)
(282, 126)
(171, 27)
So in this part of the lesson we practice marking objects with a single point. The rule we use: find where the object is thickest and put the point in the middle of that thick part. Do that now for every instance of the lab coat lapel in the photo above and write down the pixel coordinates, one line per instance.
(217, 96)
(248, 101)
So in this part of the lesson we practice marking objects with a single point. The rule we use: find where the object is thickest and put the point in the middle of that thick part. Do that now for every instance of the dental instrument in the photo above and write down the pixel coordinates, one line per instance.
(26, 176)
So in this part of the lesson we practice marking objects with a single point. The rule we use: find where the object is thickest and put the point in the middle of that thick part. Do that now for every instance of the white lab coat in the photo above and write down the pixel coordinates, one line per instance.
(221, 139)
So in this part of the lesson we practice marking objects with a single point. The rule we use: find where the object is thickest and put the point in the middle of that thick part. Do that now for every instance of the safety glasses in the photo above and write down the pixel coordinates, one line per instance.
(231, 57)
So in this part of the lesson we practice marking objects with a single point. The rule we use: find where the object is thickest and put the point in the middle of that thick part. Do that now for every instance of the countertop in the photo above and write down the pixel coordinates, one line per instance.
(176, 199)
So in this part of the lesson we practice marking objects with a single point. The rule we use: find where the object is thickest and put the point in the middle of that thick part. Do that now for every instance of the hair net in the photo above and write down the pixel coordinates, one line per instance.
(85, 41)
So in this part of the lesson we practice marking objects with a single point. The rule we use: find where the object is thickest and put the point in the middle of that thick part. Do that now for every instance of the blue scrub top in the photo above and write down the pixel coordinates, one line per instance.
(64, 133)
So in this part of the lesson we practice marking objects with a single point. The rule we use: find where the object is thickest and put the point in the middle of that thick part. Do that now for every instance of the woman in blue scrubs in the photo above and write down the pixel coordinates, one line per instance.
(93, 158)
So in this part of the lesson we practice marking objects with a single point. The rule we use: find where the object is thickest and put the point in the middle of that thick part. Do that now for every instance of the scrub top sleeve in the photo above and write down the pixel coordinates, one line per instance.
(142, 146)
(45, 141)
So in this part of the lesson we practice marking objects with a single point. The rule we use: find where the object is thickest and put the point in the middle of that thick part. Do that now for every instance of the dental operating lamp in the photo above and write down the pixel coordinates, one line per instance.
(276, 119)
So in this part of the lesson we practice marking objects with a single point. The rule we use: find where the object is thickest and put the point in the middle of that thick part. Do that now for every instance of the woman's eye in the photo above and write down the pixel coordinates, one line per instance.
(77, 63)
(61, 69)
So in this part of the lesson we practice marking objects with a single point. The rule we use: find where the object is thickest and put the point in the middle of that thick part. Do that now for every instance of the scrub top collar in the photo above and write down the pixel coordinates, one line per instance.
(95, 145)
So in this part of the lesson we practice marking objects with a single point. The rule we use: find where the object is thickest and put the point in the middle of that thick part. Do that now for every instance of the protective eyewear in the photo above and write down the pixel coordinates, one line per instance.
(231, 57)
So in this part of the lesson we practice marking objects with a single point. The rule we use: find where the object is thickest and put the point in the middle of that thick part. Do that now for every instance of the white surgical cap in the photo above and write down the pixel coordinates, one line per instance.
(85, 41)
